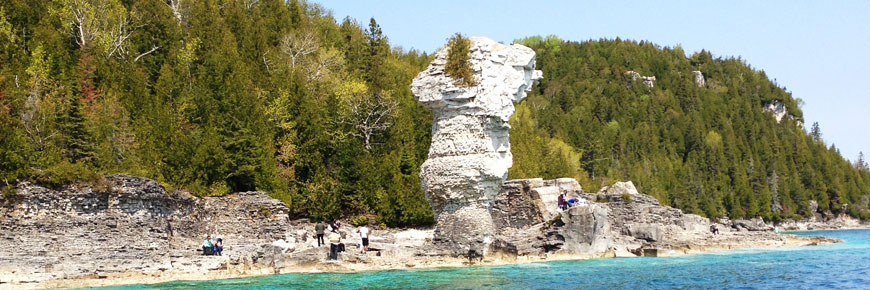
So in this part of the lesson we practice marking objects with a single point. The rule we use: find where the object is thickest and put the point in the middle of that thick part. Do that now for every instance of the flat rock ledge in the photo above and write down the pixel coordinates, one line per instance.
(132, 230)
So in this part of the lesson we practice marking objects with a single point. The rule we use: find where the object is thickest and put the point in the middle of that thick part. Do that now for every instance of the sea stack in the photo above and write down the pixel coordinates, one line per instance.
(470, 152)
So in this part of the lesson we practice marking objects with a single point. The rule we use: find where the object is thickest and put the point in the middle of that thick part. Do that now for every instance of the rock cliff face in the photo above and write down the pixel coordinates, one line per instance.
(699, 79)
(132, 230)
(777, 108)
(131, 225)
(470, 152)
(649, 81)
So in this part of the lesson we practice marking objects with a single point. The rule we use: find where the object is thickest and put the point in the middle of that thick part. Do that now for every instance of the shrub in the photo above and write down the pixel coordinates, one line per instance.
(7, 192)
(459, 61)
(265, 211)
(359, 220)
(65, 173)
(626, 197)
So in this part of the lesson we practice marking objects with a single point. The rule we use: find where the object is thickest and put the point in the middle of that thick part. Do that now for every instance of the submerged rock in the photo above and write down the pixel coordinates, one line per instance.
(470, 152)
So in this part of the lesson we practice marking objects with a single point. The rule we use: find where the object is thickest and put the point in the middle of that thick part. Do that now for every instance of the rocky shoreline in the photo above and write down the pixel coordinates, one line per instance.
(133, 231)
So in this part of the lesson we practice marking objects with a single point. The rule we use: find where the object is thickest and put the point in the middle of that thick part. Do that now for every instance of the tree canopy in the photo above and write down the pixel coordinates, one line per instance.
(223, 96)
(708, 149)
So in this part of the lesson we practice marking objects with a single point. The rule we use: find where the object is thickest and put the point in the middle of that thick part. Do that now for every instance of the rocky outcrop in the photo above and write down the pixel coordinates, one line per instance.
(699, 79)
(619, 188)
(756, 224)
(132, 230)
(133, 224)
(633, 76)
(777, 108)
(470, 152)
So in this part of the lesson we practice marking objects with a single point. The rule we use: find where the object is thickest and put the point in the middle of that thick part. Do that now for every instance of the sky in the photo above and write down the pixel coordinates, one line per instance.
(817, 50)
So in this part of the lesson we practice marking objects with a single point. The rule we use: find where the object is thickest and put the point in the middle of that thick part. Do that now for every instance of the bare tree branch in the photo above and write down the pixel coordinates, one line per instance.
(369, 115)
(146, 53)
(297, 46)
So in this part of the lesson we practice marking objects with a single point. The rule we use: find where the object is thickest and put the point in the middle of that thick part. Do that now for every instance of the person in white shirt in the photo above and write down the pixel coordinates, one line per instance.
(364, 234)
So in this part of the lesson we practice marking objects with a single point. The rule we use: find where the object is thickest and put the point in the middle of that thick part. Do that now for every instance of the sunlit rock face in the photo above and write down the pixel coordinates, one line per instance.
(470, 152)
(777, 108)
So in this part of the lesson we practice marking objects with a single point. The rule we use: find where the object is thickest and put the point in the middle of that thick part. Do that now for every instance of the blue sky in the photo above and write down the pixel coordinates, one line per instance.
(818, 50)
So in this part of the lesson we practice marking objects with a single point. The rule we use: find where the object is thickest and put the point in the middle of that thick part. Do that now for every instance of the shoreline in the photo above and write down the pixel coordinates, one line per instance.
(139, 233)
(145, 278)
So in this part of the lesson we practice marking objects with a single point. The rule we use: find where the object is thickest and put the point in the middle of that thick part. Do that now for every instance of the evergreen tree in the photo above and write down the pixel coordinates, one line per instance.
(78, 140)
(861, 164)
(816, 132)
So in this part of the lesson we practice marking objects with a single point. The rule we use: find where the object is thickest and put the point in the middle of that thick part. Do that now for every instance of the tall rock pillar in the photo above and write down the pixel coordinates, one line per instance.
(470, 152)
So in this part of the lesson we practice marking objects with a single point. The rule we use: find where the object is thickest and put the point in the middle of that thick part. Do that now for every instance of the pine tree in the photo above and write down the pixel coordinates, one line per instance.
(861, 164)
(77, 137)
(459, 60)
(816, 132)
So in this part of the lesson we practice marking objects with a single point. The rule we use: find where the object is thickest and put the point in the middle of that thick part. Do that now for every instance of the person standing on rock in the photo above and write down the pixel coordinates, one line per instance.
(364, 235)
(319, 228)
(334, 242)
(561, 201)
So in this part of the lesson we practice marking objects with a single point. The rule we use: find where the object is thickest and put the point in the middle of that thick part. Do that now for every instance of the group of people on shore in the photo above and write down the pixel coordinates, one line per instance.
(335, 244)
(569, 203)
(210, 247)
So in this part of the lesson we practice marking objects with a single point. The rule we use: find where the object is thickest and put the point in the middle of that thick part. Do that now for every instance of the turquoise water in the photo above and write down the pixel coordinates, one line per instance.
(838, 266)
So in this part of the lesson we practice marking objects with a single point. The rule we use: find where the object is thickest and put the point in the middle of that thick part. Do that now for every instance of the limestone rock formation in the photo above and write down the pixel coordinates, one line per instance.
(619, 188)
(649, 81)
(527, 217)
(131, 225)
(777, 108)
(586, 230)
(470, 152)
(699, 79)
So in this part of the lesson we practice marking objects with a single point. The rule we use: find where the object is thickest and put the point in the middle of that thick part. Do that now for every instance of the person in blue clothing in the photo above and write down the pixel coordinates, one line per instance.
(207, 246)
(572, 202)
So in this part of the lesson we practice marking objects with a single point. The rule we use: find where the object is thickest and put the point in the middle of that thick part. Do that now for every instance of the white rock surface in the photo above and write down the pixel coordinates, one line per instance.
(777, 108)
(470, 152)
(649, 81)
(699, 79)
(619, 188)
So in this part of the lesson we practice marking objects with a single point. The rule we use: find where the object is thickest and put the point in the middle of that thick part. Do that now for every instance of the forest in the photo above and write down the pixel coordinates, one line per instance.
(223, 96)
(707, 149)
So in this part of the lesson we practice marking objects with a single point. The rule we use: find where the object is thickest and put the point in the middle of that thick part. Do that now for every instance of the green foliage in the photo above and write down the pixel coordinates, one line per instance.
(265, 211)
(626, 198)
(459, 60)
(707, 150)
(65, 173)
(213, 98)
(359, 221)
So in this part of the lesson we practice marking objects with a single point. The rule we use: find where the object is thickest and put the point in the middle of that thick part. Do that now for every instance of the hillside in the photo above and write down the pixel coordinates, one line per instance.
(215, 97)
(222, 96)
(705, 147)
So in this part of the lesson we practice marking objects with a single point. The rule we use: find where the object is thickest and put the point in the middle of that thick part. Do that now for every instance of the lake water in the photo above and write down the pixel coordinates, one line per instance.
(838, 266)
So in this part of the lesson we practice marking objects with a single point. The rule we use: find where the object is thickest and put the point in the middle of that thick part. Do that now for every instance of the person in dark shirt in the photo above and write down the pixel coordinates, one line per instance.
(319, 229)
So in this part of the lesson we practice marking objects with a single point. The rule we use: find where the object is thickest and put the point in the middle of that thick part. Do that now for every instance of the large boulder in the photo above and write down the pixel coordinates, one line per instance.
(648, 232)
(470, 152)
(586, 230)
(619, 188)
